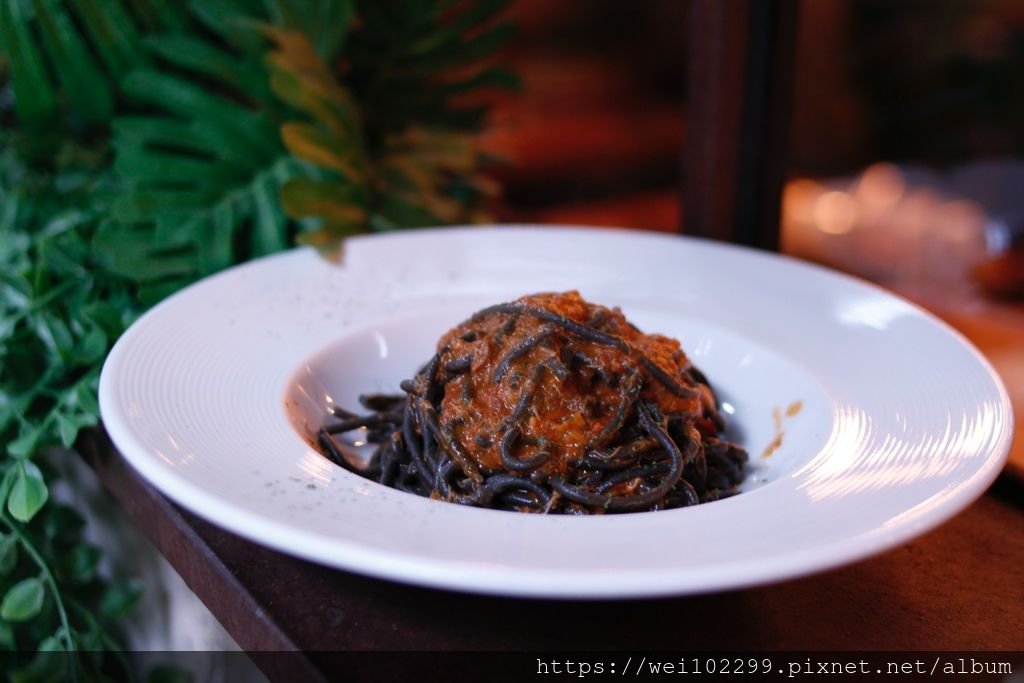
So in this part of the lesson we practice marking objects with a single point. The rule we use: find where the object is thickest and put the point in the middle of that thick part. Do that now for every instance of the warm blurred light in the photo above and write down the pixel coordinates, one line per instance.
(879, 188)
(835, 213)
(917, 211)
(960, 221)
(798, 200)
(882, 227)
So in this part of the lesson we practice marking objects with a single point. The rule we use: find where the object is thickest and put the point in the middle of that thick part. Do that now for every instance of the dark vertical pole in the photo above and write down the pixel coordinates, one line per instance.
(740, 85)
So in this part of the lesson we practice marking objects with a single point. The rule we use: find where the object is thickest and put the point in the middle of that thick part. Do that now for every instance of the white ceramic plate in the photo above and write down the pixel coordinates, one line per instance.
(900, 422)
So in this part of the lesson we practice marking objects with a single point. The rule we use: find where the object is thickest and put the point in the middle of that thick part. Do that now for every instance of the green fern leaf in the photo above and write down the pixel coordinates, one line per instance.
(306, 197)
(202, 176)
(89, 94)
(68, 55)
(35, 99)
(332, 140)
(232, 21)
(113, 35)
(324, 22)
(234, 124)
(199, 56)
(323, 148)
(159, 15)
(132, 252)
(408, 67)
(414, 178)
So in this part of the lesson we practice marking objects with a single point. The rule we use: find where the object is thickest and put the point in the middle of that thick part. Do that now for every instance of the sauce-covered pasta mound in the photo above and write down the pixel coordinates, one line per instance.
(550, 404)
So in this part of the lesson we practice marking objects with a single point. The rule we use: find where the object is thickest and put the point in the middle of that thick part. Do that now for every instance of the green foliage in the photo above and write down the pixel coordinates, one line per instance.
(59, 312)
(23, 600)
(338, 192)
(8, 553)
(413, 59)
(209, 178)
(416, 68)
(202, 174)
(119, 598)
(148, 143)
(65, 59)
(28, 490)
(392, 148)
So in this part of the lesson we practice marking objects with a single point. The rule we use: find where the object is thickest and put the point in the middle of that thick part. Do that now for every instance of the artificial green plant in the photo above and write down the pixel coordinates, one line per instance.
(148, 143)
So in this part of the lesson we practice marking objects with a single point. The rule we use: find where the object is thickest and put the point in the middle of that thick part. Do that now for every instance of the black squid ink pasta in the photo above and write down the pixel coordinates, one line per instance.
(549, 404)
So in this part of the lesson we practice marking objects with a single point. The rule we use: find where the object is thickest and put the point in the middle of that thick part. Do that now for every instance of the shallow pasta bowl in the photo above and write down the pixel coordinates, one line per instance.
(867, 420)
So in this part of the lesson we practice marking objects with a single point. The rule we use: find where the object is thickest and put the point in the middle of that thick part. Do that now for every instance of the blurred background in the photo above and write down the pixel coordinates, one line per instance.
(905, 145)
(598, 128)
(602, 108)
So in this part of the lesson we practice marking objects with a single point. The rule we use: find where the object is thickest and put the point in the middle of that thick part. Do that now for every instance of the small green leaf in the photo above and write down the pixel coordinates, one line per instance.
(91, 640)
(54, 333)
(81, 562)
(93, 346)
(119, 598)
(61, 264)
(52, 643)
(29, 492)
(7, 325)
(8, 553)
(7, 411)
(85, 394)
(62, 523)
(7, 483)
(104, 315)
(23, 600)
(16, 294)
(68, 430)
(25, 445)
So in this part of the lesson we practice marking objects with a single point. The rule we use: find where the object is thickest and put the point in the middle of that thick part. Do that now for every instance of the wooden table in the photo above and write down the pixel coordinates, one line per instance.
(956, 588)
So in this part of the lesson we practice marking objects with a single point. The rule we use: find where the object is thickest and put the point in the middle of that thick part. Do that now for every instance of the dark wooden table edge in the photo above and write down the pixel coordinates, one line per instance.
(174, 536)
